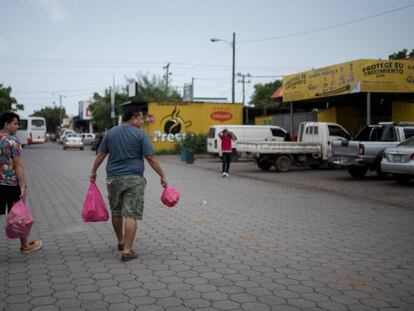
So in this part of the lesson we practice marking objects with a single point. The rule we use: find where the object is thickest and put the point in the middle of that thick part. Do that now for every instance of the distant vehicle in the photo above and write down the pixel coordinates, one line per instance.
(244, 132)
(399, 161)
(366, 151)
(32, 130)
(97, 142)
(313, 147)
(88, 138)
(72, 140)
(63, 135)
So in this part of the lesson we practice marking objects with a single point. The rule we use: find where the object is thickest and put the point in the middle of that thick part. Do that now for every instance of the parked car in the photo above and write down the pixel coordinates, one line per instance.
(72, 141)
(366, 151)
(88, 138)
(399, 161)
(64, 134)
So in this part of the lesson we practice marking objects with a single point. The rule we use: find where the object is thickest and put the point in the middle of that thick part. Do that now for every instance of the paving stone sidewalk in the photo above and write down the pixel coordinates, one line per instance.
(231, 244)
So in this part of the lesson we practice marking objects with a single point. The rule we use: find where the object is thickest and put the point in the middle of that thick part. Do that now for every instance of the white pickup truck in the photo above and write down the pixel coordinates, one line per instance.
(312, 148)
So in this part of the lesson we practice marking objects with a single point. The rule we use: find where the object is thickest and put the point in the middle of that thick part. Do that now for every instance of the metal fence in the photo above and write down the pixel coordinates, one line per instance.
(284, 119)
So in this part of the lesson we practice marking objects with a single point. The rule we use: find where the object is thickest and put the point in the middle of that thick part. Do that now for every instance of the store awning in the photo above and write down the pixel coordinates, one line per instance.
(278, 93)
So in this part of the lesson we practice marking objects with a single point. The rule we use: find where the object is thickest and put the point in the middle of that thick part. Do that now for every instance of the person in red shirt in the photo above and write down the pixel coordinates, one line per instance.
(226, 137)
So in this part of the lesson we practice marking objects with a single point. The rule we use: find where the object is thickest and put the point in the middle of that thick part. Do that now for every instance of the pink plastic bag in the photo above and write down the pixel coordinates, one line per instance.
(170, 196)
(19, 221)
(94, 206)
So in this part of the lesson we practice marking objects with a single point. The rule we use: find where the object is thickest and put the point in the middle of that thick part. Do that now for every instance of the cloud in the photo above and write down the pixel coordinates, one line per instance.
(55, 9)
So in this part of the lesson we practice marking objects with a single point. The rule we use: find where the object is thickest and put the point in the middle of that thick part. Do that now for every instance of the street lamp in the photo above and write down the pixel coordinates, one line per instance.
(233, 45)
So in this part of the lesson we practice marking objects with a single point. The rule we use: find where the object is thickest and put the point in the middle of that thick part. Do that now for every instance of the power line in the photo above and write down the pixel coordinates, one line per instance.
(59, 91)
(205, 61)
(110, 64)
(271, 76)
(54, 73)
(82, 61)
(353, 21)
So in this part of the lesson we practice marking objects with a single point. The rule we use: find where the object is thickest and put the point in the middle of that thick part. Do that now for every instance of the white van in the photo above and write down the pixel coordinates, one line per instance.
(32, 130)
(244, 132)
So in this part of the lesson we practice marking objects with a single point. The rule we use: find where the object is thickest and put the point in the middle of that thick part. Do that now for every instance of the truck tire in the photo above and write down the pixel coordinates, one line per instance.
(264, 164)
(402, 179)
(357, 171)
(283, 163)
(380, 173)
(378, 169)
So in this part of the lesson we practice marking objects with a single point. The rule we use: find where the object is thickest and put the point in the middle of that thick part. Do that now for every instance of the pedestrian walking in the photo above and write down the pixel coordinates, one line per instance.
(127, 145)
(12, 182)
(226, 138)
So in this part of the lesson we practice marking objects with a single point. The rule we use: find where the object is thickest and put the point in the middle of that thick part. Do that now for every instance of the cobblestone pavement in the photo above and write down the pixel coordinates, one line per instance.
(252, 241)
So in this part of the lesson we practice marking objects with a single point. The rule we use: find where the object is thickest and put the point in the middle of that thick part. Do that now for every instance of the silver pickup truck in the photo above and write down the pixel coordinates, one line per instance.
(366, 151)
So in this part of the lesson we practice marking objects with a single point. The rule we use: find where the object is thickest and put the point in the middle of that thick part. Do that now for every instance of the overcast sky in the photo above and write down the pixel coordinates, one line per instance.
(75, 47)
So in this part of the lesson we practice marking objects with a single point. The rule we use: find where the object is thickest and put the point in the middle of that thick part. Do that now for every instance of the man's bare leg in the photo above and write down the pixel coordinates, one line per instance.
(118, 224)
(130, 232)
(23, 242)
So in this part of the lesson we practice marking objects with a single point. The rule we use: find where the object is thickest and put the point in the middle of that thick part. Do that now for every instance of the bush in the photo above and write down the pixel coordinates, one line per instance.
(196, 143)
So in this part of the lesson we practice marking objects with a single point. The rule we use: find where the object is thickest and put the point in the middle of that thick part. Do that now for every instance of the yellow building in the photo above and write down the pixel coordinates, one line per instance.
(355, 93)
(167, 122)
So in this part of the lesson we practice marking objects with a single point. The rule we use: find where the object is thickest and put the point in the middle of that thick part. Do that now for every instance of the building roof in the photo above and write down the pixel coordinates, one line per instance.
(278, 93)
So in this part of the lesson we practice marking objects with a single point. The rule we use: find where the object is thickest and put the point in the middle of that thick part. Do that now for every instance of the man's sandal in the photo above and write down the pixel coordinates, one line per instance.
(31, 247)
(129, 256)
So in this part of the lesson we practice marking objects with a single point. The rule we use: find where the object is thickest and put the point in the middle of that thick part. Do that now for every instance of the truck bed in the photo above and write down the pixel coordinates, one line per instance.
(286, 147)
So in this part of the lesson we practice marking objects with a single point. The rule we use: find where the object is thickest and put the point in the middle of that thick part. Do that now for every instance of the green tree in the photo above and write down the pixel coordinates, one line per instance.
(154, 88)
(149, 89)
(101, 108)
(263, 92)
(7, 102)
(403, 54)
(52, 116)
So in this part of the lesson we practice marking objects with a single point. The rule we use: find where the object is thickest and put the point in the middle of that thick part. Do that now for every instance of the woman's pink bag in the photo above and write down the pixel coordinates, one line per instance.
(94, 208)
(19, 221)
(170, 196)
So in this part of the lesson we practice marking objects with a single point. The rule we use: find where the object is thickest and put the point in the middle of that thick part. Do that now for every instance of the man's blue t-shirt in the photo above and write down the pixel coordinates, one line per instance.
(127, 146)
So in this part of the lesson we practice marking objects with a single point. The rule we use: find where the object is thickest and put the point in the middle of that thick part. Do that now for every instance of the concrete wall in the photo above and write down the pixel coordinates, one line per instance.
(403, 111)
(263, 120)
(170, 122)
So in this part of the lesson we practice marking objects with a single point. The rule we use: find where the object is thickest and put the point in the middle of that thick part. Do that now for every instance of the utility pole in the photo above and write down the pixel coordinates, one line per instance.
(167, 75)
(60, 110)
(234, 69)
(113, 101)
(243, 80)
(192, 89)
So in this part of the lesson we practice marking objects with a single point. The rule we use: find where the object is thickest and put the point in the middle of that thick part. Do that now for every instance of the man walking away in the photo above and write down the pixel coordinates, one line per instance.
(12, 182)
(226, 137)
(127, 146)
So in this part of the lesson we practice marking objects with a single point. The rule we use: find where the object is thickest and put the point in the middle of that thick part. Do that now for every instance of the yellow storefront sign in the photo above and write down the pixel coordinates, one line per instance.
(168, 123)
(382, 76)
